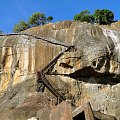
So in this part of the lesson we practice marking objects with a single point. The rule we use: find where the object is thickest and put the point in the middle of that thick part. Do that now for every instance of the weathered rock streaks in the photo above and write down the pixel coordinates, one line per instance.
(22, 59)
(89, 73)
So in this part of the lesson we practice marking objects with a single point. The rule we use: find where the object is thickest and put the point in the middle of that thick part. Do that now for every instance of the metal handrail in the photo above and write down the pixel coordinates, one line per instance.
(42, 79)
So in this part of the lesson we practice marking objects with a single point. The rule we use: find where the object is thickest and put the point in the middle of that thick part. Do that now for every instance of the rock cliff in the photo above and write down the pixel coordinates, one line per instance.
(90, 72)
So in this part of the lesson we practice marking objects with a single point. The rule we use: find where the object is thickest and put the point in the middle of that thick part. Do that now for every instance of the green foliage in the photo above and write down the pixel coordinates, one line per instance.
(1, 32)
(50, 18)
(83, 16)
(103, 16)
(22, 25)
(37, 19)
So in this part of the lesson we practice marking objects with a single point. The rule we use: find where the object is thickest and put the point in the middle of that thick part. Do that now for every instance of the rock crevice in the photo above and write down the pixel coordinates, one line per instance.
(88, 73)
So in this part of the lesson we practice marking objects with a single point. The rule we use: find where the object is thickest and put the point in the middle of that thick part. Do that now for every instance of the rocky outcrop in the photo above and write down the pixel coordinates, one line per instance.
(59, 112)
(92, 71)
(22, 56)
(28, 109)
(89, 73)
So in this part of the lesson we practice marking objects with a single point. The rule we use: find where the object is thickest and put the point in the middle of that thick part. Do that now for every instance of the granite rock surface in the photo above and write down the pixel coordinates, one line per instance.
(91, 72)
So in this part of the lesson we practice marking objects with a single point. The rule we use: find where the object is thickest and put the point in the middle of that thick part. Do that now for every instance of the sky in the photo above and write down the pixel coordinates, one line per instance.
(12, 11)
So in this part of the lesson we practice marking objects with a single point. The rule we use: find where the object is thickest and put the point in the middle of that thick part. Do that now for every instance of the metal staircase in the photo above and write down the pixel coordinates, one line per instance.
(42, 80)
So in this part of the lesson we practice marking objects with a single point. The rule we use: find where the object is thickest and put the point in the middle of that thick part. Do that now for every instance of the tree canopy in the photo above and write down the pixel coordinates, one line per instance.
(1, 32)
(83, 16)
(103, 16)
(35, 20)
(22, 25)
(50, 18)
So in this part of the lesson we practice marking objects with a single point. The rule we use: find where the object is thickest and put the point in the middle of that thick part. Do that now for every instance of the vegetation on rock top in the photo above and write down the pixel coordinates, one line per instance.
(101, 17)
(35, 20)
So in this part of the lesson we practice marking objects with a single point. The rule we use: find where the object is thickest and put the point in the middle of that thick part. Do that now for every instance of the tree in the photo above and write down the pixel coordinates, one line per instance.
(83, 16)
(50, 18)
(22, 25)
(1, 32)
(103, 16)
(37, 19)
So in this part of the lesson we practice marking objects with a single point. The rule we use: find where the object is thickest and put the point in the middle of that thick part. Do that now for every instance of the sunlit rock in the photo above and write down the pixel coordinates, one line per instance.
(90, 72)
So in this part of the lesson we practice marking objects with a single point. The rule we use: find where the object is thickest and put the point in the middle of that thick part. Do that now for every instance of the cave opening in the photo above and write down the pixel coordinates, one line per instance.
(87, 73)
(80, 116)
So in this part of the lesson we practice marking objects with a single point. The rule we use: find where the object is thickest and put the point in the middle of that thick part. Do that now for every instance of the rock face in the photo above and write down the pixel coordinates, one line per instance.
(89, 73)
(21, 57)
(61, 112)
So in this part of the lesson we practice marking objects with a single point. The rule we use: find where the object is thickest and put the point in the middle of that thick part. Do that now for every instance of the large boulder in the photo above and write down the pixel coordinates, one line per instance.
(90, 72)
